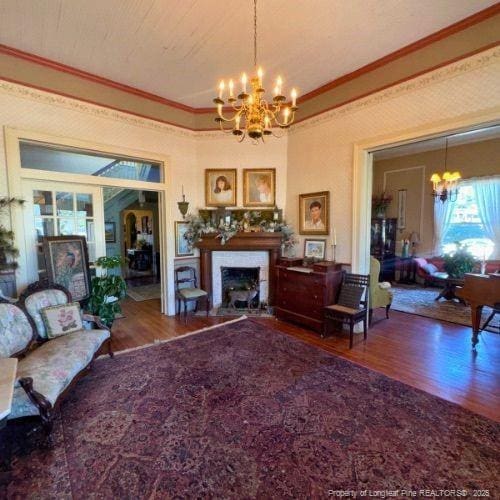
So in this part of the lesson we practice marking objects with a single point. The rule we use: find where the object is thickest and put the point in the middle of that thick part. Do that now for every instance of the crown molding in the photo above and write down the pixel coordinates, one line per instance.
(96, 110)
(476, 61)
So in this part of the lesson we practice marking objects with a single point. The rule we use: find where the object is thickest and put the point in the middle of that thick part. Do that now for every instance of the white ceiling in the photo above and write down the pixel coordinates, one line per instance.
(180, 49)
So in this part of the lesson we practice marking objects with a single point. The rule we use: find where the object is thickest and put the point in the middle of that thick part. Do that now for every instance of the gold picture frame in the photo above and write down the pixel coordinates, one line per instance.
(314, 213)
(259, 187)
(181, 245)
(221, 187)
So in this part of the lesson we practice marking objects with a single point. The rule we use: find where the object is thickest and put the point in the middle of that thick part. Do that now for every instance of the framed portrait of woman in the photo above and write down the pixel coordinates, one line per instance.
(220, 187)
(259, 187)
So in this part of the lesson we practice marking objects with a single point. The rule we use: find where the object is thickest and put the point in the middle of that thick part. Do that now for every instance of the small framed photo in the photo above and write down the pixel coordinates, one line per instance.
(181, 245)
(220, 187)
(259, 187)
(315, 249)
(68, 264)
(110, 232)
(314, 213)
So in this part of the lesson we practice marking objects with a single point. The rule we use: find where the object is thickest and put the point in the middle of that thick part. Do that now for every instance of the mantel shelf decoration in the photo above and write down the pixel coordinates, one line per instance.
(240, 222)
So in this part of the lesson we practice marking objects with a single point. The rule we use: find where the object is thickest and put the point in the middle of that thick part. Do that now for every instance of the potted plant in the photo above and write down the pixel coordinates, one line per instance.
(107, 290)
(459, 262)
(380, 203)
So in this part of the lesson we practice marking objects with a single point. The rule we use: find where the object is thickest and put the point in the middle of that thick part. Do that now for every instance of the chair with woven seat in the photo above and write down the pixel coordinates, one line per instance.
(352, 305)
(186, 290)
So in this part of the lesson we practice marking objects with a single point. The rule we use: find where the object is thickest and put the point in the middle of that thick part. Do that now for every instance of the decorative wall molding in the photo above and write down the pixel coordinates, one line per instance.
(480, 60)
(477, 61)
(44, 97)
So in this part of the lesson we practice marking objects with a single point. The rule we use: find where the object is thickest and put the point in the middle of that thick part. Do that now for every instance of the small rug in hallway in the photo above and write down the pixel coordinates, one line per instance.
(144, 292)
(417, 300)
(244, 411)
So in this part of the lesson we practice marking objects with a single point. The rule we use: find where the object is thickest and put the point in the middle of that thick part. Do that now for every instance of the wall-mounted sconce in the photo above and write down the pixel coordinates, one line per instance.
(183, 205)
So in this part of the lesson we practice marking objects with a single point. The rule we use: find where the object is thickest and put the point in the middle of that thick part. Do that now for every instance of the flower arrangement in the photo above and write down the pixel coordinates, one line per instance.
(198, 227)
(381, 202)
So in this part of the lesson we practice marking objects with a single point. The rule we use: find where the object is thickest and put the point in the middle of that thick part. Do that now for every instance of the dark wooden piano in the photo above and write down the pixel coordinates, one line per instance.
(479, 290)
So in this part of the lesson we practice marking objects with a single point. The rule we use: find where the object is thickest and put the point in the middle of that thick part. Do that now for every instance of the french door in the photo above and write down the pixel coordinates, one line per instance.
(59, 209)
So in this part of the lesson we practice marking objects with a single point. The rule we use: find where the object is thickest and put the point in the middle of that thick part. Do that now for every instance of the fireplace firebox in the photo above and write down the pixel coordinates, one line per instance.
(240, 279)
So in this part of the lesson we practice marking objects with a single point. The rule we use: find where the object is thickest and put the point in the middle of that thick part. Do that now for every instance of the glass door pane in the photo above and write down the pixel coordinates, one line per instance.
(64, 204)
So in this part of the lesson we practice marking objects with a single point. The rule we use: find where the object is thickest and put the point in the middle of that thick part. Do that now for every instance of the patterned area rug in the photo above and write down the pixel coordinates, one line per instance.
(417, 300)
(244, 411)
(144, 292)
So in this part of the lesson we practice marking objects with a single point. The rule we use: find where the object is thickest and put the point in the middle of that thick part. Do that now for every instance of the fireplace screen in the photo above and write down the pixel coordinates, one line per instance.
(240, 287)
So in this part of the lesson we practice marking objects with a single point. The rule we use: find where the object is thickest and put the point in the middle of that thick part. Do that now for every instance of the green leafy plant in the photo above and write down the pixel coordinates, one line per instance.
(8, 252)
(107, 290)
(459, 262)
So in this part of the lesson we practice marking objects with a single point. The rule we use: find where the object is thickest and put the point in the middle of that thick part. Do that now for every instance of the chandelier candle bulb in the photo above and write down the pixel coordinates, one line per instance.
(260, 73)
(244, 82)
(294, 98)
(237, 122)
(221, 89)
(231, 87)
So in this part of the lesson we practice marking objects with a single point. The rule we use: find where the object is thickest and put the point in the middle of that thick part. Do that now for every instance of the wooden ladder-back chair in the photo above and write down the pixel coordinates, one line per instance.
(186, 290)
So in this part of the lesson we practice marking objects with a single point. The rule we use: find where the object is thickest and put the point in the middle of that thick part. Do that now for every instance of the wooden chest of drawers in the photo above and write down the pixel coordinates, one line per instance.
(301, 297)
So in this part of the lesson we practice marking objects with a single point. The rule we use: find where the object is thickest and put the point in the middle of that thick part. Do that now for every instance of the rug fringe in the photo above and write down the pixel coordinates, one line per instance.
(158, 341)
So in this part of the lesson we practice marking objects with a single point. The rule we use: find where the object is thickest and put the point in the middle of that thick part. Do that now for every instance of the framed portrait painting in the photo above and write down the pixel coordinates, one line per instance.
(68, 264)
(315, 249)
(259, 187)
(314, 213)
(181, 245)
(110, 232)
(220, 187)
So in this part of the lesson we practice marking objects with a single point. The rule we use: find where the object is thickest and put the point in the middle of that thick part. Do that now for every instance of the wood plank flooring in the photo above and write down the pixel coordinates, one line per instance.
(425, 353)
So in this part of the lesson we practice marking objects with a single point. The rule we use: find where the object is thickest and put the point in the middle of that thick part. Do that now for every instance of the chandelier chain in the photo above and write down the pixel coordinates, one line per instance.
(255, 33)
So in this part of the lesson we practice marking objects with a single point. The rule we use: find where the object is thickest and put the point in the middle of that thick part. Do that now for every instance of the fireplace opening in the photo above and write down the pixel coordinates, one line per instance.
(240, 285)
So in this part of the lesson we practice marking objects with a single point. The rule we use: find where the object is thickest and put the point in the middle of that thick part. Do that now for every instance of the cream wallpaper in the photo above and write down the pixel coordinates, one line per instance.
(320, 150)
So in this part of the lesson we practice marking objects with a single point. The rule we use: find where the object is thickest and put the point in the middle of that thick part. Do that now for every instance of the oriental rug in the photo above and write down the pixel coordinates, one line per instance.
(414, 299)
(244, 411)
(144, 292)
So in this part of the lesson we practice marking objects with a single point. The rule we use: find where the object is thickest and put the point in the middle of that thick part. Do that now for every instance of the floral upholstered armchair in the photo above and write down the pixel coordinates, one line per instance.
(50, 358)
(381, 293)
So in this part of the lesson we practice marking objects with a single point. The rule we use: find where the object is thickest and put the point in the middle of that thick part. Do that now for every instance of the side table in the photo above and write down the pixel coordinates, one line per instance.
(407, 270)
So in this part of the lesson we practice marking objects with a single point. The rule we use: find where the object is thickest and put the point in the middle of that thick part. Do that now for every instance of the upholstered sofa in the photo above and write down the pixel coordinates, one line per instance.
(436, 268)
(47, 367)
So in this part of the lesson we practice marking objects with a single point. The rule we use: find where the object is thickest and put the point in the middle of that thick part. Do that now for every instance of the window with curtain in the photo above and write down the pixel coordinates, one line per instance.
(474, 218)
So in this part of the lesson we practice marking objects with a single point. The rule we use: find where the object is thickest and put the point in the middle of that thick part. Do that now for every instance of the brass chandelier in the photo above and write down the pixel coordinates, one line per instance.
(253, 115)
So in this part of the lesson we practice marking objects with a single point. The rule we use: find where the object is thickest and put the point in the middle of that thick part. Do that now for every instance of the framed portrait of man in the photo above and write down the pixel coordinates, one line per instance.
(314, 213)
(259, 187)
(220, 187)
(67, 263)
(181, 245)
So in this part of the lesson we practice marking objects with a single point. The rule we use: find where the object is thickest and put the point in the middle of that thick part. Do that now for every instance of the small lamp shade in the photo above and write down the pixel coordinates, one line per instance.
(414, 238)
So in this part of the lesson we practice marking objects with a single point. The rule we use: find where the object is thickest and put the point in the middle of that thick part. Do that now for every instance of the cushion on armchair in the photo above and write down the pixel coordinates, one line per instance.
(429, 268)
(35, 302)
(16, 331)
(53, 366)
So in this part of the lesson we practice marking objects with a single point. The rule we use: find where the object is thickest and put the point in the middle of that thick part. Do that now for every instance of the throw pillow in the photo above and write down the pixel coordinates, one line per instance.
(350, 296)
(429, 268)
(62, 319)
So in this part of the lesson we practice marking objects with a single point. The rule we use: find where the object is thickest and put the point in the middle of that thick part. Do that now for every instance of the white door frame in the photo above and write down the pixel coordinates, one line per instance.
(16, 174)
(363, 172)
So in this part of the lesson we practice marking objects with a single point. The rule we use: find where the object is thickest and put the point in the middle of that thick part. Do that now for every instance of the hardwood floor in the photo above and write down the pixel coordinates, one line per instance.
(425, 353)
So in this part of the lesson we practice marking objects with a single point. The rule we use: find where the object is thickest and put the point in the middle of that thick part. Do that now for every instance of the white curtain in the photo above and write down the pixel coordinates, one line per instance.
(487, 193)
(442, 218)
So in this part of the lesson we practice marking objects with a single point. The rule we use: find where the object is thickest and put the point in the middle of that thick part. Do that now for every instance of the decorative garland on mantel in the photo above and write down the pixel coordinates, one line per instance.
(251, 221)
